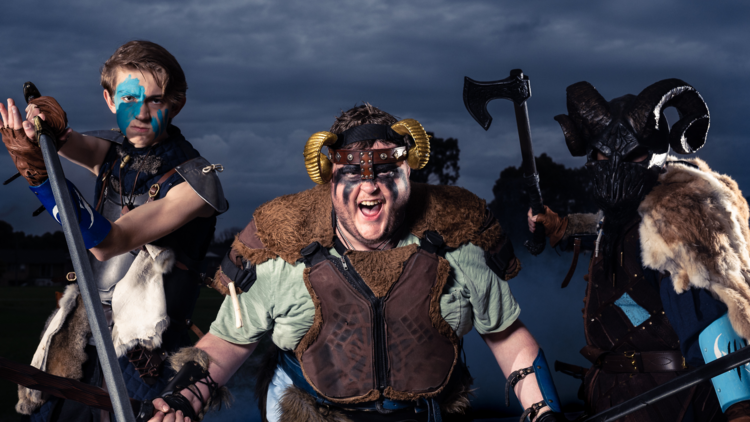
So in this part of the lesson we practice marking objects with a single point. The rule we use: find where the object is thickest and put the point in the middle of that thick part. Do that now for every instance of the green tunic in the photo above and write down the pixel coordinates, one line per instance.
(279, 302)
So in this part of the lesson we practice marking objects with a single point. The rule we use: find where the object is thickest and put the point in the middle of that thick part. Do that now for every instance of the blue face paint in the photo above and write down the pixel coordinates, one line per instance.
(126, 111)
(158, 122)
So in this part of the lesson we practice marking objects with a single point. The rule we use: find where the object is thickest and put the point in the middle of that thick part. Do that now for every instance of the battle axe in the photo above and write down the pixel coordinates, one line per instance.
(517, 89)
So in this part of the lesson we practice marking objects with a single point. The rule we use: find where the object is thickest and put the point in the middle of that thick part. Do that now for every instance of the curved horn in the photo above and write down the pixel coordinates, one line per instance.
(319, 167)
(576, 145)
(419, 154)
(587, 109)
(688, 135)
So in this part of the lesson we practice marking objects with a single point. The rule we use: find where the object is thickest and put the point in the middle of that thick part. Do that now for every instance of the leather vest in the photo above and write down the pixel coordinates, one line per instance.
(606, 325)
(189, 242)
(378, 328)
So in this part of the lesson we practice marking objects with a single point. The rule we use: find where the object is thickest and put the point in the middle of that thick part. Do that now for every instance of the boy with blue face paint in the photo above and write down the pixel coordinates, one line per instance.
(143, 219)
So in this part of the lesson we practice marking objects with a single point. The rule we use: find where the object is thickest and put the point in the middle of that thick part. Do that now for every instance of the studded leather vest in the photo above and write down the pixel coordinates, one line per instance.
(378, 328)
(607, 327)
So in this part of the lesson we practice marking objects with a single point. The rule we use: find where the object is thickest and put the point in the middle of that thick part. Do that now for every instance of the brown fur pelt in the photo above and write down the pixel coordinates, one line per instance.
(298, 406)
(695, 225)
(381, 269)
(287, 224)
(61, 350)
(221, 396)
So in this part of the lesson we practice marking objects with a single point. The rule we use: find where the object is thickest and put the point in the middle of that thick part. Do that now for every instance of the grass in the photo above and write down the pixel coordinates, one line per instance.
(23, 312)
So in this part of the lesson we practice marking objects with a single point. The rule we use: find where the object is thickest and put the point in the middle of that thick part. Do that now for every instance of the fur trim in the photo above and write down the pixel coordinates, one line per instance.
(298, 406)
(61, 350)
(139, 307)
(695, 225)
(458, 393)
(221, 396)
(287, 224)
(381, 269)
(581, 223)
(144, 163)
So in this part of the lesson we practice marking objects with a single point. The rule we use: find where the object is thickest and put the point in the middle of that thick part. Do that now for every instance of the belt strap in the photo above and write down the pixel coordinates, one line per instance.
(642, 362)
(574, 264)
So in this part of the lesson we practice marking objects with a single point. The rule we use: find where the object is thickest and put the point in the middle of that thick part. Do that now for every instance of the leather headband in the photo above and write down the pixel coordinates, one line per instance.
(366, 158)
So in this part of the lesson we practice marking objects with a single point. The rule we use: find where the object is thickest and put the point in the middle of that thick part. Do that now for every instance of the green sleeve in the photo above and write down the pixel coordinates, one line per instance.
(493, 306)
(277, 302)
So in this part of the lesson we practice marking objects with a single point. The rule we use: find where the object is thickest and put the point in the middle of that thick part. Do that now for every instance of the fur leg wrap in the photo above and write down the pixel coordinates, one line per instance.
(191, 368)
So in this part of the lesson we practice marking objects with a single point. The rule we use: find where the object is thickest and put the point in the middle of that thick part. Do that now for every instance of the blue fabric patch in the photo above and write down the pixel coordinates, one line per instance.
(635, 313)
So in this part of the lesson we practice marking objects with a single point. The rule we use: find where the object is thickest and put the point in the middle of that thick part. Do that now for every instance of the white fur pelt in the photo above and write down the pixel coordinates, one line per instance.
(139, 308)
(30, 400)
(695, 225)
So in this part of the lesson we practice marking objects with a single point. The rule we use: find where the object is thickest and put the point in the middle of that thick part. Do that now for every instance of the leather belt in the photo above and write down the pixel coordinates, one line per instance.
(634, 362)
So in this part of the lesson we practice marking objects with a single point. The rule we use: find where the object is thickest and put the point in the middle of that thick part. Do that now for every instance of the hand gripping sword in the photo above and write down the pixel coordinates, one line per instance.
(86, 284)
(515, 88)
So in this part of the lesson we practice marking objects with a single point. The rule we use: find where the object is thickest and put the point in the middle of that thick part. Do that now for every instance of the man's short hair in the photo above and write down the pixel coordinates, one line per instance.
(363, 115)
(149, 57)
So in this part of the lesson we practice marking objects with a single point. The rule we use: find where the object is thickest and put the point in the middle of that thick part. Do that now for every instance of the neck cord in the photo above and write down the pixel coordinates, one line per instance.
(132, 190)
(349, 246)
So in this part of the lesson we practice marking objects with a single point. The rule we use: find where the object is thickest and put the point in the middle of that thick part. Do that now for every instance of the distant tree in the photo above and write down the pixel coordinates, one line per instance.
(564, 190)
(10, 239)
(443, 165)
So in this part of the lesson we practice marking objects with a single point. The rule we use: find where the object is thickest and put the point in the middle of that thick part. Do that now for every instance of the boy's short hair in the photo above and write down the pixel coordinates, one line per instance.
(363, 115)
(150, 57)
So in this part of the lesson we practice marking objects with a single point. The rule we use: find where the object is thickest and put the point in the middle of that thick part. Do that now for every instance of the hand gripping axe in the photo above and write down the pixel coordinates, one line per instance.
(515, 88)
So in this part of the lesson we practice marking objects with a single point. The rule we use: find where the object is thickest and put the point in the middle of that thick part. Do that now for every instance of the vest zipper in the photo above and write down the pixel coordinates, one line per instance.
(377, 304)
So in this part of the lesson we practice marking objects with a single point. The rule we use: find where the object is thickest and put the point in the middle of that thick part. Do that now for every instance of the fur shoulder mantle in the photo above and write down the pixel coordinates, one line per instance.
(285, 225)
(695, 225)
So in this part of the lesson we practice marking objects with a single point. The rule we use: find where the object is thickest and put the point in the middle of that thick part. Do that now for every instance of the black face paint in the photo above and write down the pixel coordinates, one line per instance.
(388, 175)
(348, 176)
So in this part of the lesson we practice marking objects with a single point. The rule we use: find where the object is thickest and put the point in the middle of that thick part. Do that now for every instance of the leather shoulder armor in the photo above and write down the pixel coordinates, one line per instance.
(201, 176)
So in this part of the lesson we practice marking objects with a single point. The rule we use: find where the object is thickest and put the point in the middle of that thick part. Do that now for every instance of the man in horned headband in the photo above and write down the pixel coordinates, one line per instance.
(668, 280)
(365, 284)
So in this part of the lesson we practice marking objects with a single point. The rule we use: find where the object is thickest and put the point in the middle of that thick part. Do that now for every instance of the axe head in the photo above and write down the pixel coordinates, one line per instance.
(477, 95)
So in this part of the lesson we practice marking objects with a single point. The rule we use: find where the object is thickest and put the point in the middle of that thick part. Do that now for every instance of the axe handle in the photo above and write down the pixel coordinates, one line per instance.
(531, 178)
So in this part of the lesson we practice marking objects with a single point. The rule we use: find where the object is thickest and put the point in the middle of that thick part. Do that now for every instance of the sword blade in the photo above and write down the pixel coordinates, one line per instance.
(674, 386)
(86, 285)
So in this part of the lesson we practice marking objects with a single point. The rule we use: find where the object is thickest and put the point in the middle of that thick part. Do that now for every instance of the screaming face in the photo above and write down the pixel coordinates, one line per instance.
(370, 211)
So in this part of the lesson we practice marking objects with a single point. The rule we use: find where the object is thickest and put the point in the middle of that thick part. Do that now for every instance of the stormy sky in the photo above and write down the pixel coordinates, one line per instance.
(265, 75)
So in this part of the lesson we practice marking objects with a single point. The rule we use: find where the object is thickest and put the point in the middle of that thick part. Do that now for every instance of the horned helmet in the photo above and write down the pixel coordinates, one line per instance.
(630, 127)
(320, 166)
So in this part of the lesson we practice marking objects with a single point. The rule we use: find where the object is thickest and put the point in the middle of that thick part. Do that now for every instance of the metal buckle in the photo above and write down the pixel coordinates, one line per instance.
(631, 355)
(154, 190)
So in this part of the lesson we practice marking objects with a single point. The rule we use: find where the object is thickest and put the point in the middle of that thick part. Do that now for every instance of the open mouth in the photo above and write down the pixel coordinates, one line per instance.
(371, 209)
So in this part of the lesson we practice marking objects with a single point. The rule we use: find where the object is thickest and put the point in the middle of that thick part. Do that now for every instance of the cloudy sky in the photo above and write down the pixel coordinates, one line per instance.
(264, 75)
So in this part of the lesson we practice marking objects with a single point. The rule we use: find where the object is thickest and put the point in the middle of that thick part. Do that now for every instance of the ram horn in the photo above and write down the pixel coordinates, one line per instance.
(319, 167)
(688, 135)
(588, 110)
(419, 154)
